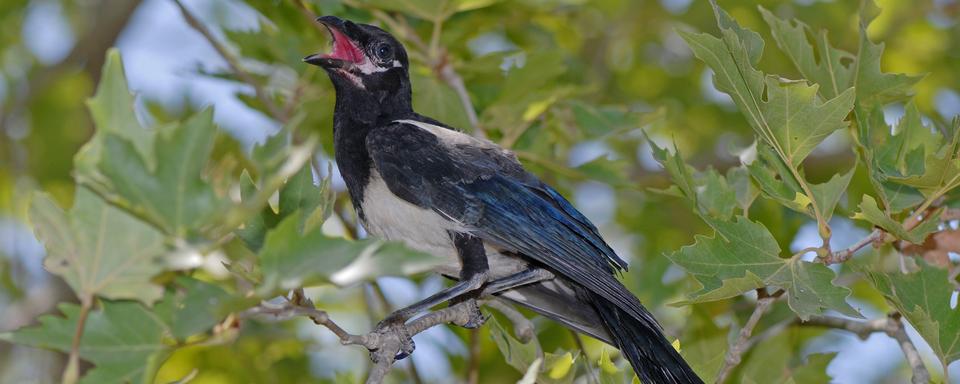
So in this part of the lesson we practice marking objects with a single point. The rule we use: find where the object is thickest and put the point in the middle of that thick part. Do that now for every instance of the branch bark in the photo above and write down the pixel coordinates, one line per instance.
(734, 354)
(383, 345)
(892, 325)
(233, 63)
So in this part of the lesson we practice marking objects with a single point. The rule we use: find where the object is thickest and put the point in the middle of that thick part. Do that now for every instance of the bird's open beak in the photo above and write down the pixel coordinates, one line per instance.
(345, 52)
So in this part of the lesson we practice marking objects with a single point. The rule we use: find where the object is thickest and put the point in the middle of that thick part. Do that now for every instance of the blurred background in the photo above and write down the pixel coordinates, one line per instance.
(587, 76)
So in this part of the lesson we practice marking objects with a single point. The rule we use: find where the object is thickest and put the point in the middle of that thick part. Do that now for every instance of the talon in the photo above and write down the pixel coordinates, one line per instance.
(476, 318)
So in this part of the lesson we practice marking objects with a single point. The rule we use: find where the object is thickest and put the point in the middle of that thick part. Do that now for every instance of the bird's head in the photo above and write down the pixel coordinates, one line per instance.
(364, 58)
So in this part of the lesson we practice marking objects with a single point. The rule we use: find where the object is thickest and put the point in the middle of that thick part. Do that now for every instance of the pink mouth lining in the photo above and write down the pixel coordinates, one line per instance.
(344, 49)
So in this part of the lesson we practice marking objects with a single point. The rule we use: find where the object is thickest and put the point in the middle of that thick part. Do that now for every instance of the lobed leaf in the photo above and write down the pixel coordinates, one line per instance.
(97, 249)
(173, 193)
(121, 339)
(291, 259)
(924, 298)
(743, 256)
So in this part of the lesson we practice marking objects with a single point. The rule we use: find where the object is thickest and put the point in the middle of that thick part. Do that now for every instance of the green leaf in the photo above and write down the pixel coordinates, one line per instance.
(828, 194)
(112, 109)
(869, 211)
(791, 118)
(874, 87)
(98, 249)
(290, 259)
(822, 64)
(708, 191)
(746, 252)
(518, 355)
(314, 202)
(436, 99)
(120, 339)
(924, 298)
(173, 194)
(941, 168)
(191, 307)
(902, 153)
(704, 344)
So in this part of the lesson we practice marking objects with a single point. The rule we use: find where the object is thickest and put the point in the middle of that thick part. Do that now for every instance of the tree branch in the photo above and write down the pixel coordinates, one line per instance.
(841, 256)
(233, 63)
(892, 325)
(764, 303)
(383, 344)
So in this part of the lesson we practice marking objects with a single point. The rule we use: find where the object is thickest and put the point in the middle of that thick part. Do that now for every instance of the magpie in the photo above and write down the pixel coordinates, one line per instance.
(502, 230)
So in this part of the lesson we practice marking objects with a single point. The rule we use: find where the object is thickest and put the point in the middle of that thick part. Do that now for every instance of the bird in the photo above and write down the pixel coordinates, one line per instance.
(501, 230)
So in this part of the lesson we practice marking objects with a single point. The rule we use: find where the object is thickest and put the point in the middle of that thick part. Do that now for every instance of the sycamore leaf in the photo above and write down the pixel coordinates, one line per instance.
(776, 181)
(98, 249)
(823, 64)
(172, 194)
(704, 344)
(869, 211)
(924, 298)
(886, 153)
(121, 339)
(747, 252)
(902, 153)
(112, 109)
(290, 259)
(875, 87)
(518, 355)
(708, 191)
(941, 169)
(836, 70)
(788, 117)
(778, 360)
(791, 118)
(191, 307)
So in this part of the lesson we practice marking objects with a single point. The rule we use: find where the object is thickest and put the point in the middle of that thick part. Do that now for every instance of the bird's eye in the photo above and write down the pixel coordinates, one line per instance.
(384, 52)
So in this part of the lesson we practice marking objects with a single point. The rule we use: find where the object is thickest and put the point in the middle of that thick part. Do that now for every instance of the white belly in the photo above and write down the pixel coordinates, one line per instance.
(392, 218)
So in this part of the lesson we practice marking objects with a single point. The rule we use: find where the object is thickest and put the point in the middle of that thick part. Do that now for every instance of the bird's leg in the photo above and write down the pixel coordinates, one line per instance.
(529, 276)
(473, 275)
(473, 262)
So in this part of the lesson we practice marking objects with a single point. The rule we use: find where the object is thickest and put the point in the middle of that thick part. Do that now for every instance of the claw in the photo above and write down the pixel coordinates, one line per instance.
(476, 318)
(392, 327)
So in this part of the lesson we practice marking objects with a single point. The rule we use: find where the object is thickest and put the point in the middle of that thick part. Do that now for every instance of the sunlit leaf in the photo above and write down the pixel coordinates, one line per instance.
(869, 211)
(924, 298)
(746, 252)
(120, 339)
(172, 193)
(290, 259)
(98, 249)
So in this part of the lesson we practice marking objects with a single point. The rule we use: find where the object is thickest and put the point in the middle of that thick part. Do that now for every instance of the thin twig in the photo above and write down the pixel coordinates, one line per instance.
(892, 325)
(841, 256)
(233, 63)
(473, 364)
(764, 303)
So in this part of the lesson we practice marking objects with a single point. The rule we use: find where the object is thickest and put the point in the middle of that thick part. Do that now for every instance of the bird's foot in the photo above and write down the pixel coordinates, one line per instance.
(396, 331)
(475, 318)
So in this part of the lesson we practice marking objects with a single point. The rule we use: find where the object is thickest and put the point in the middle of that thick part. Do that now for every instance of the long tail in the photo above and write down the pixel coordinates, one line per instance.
(653, 358)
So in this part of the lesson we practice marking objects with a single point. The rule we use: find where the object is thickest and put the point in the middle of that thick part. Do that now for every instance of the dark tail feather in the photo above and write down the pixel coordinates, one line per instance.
(653, 358)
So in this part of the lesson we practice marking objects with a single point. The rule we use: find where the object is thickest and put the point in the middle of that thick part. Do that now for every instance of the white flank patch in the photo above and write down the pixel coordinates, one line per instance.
(392, 218)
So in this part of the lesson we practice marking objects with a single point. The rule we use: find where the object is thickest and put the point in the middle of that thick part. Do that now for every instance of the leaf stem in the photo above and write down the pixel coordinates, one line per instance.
(72, 373)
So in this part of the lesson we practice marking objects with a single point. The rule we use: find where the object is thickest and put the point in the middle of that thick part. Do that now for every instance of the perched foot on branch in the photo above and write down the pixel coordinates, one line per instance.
(395, 329)
(476, 318)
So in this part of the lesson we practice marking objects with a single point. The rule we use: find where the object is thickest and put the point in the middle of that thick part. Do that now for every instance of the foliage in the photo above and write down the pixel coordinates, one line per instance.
(175, 229)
